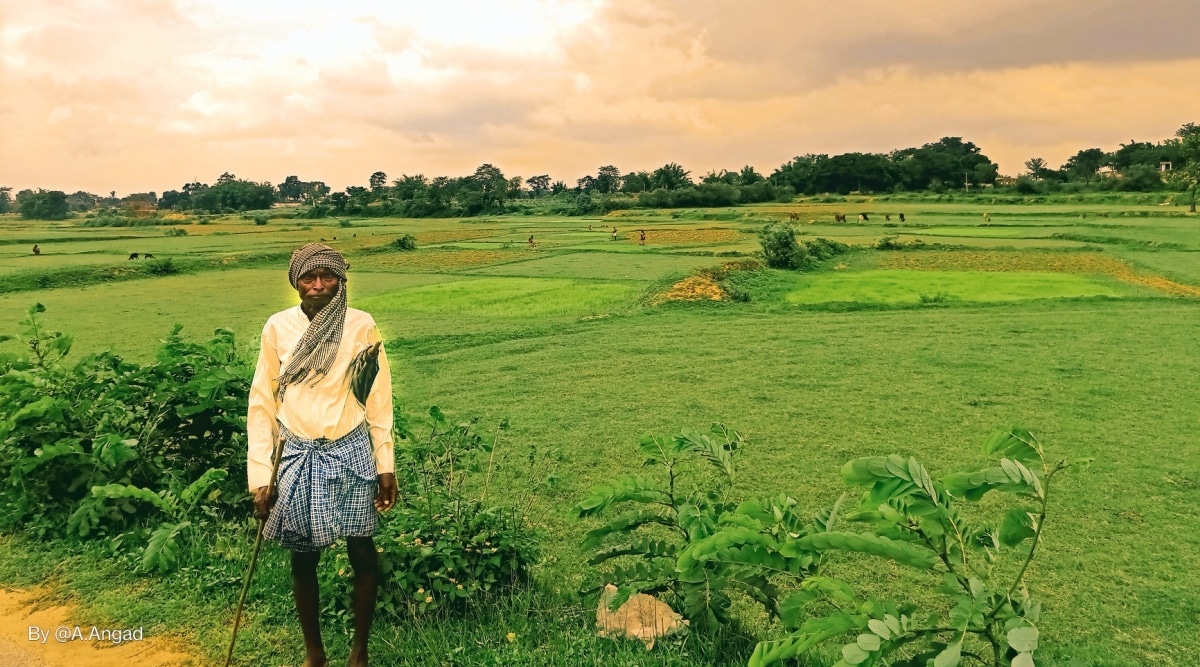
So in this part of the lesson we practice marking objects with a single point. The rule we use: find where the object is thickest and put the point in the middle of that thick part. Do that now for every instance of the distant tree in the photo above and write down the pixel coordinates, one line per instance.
(1189, 173)
(1140, 178)
(408, 188)
(515, 189)
(539, 184)
(5, 199)
(1036, 167)
(608, 179)
(558, 187)
(748, 176)
(291, 189)
(43, 205)
(1084, 164)
(230, 194)
(377, 181)
(82, 201)
(635, 181)
(585, 184)
(339, 200)
(173, 200)
(670, 176)
(723, 176)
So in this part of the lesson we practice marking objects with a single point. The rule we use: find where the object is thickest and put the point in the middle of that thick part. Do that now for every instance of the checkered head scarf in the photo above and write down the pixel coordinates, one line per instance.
(318, 346)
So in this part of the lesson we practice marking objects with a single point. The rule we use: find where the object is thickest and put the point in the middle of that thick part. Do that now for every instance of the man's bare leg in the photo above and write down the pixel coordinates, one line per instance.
(308, 607)
(365, 562)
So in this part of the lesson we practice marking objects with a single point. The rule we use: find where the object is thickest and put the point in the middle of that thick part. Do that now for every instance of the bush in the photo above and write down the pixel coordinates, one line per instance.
(344, 222)
(176, 231)
(66, 428)
(43, 205)
(446, 546)
(674, 535)
(916, 523)
(779, 247)
(405, 243)
(260, 219)
(162, 267)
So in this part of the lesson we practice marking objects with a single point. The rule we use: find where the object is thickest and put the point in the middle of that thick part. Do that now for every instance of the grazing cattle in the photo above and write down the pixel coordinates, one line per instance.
(901, 217)
(862, 217)
(793, 216)
(887, 217)
(148, 256)
(132, 255)
(322, 240)
(839, 217)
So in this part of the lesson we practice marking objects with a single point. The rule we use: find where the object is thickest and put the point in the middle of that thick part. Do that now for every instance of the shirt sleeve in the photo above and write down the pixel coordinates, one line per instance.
(379, 409)
(260, 416)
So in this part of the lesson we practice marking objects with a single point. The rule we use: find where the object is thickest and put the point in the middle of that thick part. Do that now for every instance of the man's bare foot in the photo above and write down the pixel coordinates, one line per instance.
(358, 657)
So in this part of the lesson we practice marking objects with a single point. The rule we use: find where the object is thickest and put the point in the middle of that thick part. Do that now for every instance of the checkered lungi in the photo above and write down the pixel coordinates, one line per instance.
(326, 491)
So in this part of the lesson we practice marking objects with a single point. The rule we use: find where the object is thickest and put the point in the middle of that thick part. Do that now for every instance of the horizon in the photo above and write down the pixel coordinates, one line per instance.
(190, 89)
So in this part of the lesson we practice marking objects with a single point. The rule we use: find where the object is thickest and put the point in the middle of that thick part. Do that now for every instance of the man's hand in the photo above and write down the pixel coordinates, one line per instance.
(385, 497)
(263, 502)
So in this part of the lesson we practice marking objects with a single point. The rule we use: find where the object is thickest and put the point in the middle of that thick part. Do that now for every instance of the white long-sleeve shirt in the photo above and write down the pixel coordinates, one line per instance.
(325, 409)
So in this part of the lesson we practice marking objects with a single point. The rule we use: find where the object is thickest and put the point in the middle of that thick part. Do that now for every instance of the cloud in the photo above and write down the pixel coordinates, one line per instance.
(147, 94)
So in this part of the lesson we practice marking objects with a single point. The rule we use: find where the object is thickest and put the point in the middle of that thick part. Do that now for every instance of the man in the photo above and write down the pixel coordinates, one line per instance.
(337, 453)
(36, 249)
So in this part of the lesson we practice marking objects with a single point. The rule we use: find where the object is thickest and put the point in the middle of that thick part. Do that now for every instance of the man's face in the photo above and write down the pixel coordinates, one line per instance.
(317, 287)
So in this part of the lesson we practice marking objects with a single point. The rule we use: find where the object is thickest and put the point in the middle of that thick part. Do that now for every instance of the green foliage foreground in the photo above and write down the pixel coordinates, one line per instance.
(685, 536)
(83, 440)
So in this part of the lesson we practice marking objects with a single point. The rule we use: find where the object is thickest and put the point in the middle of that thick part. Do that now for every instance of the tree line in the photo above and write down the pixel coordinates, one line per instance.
(947, 164)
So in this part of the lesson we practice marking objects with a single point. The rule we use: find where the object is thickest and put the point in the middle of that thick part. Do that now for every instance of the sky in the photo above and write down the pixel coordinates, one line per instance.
(145, 95)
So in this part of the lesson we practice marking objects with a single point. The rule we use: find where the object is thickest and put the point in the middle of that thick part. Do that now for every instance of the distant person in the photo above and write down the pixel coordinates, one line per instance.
(614, 234)
(531, 243)
(36, 249)
(901, 217)
(642, 239)
(337, 469)
(589, 228)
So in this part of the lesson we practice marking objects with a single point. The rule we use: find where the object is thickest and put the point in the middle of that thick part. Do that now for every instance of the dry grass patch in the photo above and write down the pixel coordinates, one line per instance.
(686, 236)
(1065, 262)
(694, 288)
(452, 235)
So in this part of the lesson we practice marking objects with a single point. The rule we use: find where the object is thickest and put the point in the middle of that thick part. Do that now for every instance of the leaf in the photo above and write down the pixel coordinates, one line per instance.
(880, 628)
(869, 642)
(625, 523)
(901, 552)
(623, 489)
(1026, 660)
(949, 657)
(1023, 639)
(1016, 527)
(1016, 443)
(853, 655)
(198, 488)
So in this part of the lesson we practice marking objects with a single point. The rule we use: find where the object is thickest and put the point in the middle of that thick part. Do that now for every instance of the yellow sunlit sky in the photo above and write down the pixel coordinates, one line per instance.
(145, 95)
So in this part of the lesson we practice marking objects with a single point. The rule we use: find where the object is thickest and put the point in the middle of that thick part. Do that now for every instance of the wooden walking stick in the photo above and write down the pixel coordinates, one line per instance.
(275, 456)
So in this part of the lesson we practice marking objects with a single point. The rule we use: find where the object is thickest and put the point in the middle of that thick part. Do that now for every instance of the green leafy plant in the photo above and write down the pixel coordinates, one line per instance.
(405, 243)
(447, 544)
(782, 250)
(176, 231)
(180, 506)
(987, 617)
(684, 536)
(67, 426)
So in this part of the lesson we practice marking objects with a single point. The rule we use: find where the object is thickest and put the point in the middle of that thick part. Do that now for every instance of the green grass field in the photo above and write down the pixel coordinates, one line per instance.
(816, 368)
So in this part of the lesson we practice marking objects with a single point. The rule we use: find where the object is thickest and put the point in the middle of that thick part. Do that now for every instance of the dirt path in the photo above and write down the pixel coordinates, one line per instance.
(21, 610)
